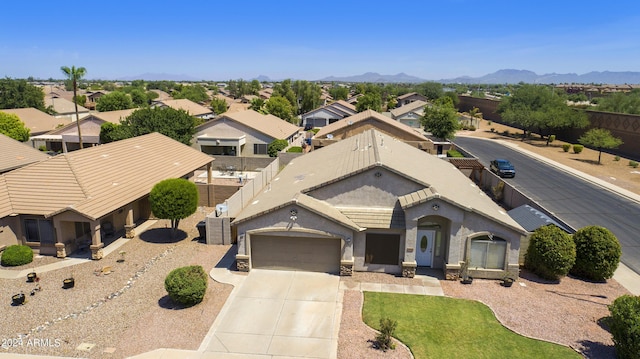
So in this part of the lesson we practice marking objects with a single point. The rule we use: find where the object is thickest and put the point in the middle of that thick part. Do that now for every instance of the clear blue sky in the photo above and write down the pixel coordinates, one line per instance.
(221, 40)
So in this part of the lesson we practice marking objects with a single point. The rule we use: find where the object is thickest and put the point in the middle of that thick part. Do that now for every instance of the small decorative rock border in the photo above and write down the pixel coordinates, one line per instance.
(107, 298)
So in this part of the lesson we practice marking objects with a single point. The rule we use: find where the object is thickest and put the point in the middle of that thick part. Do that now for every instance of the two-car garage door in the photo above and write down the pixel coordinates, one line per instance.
(295, 253)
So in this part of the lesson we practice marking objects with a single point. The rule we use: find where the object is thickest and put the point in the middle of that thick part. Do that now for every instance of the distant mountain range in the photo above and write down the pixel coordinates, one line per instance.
(506, 76)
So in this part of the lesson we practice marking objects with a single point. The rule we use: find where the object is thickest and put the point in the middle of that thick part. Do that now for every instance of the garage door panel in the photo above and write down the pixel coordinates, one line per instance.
(291, 253)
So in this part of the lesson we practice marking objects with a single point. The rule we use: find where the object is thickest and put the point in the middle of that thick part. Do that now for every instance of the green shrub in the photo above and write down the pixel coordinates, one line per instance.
(385, 337)
(597, 253)
(624, 325)
(186, 285)
(16, 255)
(296, 149)
(454, 153)
(276, 146)
(566, 147)
(577, 148)
(616, 158)
(315, 130)
(472, 128)
(552, 138)
(551, 253)
(505, 132)
(633, 164)
(42, 148)
(489, 123)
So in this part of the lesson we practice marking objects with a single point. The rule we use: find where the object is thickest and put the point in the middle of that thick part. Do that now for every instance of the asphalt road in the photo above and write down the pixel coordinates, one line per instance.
(577, 202)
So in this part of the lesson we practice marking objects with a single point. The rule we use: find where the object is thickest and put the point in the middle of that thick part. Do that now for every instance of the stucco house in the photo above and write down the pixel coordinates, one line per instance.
(65, 109)
(36, 121)
(410, 114)
(373, 203)
(187, 105)
(68, 201)
(409, 98)
(328, 114)
(370, 119)
(65, 138)
(245, 133)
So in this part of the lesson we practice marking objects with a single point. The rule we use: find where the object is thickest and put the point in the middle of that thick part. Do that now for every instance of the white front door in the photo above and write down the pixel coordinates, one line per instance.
(424, 247)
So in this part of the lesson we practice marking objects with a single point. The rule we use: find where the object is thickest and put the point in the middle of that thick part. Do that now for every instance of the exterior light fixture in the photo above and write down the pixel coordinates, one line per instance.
(435, 207)
(293, 214)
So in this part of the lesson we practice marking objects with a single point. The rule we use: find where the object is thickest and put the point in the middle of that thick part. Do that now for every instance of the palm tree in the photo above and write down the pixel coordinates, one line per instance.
(74, 74)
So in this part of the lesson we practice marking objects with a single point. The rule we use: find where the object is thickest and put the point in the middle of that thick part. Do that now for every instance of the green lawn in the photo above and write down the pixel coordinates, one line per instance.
(440, 327)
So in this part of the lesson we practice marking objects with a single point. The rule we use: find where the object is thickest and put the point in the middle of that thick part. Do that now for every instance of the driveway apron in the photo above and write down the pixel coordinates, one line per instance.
(281, 314)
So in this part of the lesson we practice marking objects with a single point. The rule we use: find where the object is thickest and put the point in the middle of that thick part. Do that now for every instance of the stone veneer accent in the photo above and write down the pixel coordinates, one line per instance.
(242, 263)
(129, 230)
(346, 268)
(61, 250)
(409, 269)
(96, 251)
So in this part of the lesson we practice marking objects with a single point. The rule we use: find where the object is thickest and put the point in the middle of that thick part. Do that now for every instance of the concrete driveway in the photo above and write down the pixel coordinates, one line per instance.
(277, 314)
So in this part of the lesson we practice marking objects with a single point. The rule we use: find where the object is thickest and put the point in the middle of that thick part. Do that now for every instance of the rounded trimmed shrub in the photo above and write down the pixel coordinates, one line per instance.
(566, 147)
(598, 253)
(552, 138)
(551, 253)
(16, 255)
(577, 148)
(186, 285)
(624, 325)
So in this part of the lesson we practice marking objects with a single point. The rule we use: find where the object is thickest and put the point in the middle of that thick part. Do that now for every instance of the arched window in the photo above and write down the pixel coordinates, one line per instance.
(488, 253)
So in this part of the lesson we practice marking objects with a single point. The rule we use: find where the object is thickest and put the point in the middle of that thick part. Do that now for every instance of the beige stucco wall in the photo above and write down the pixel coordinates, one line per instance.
(9, 231)
(251, 136)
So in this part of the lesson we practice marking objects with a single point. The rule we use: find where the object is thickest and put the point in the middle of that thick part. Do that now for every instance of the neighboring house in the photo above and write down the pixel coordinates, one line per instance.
(162, 96)
(246, 133)
(66, 139)
(93, 97)
(16, 154)
(36, 121)
(65, 109)
(410, 114)
(265, 94)
(354, 99)
(370, 119)
(372, 203)
(328, 114)
(248, 98)
(409, 98)
(191, 107)
(66, 201)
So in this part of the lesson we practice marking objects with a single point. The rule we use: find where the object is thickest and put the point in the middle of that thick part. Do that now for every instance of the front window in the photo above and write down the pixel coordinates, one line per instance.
(382, 249)
(488, 253)
(39, 231)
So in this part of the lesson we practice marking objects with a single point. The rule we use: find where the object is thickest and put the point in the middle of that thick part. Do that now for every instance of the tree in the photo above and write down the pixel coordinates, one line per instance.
(74, 74)
(111, 132)
(339, 92)
(598, 253)
(280, 107)
(139, 97)
(284, 89)
(441, 119)
(80, 100)
(257, 104)
(369, 101)
(177, 124)
(537, 107)
(20, 94)
(114, 101)
(276, 146)
(599, 138)
(218, 105)
(174, 199)
(432, 90)
(12, 126)
(195, 93)
(551, 253)
(308, 95)
(621, 103)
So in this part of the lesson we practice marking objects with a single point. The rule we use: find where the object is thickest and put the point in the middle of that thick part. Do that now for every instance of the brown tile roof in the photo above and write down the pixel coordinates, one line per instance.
(98, 180)
(113, 116)
(62, 106)
(368, 115)
(415, 106)
(270, 125)
(402, 97)
(36, 121)
(191, 107)
(17, 154)
(368, 150)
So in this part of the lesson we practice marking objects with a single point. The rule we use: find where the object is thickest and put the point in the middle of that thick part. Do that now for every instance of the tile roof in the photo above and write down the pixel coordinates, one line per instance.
(415, 106)
(97, 180)
(368, 115)
(113, 116)
(36, 121)
(62, 106)
(17, 154)
(270, 125)
(365, 151)
(185, 104)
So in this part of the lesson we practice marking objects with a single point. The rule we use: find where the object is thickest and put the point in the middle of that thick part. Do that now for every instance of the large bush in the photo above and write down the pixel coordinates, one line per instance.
(597, 253)
(551, 253)
(16, 255)
(624, 325)
(276, 146)
(174, 199)
(186, 285)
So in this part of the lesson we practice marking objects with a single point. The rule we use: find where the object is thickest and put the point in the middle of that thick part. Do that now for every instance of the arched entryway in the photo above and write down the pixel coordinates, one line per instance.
(432, 241)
